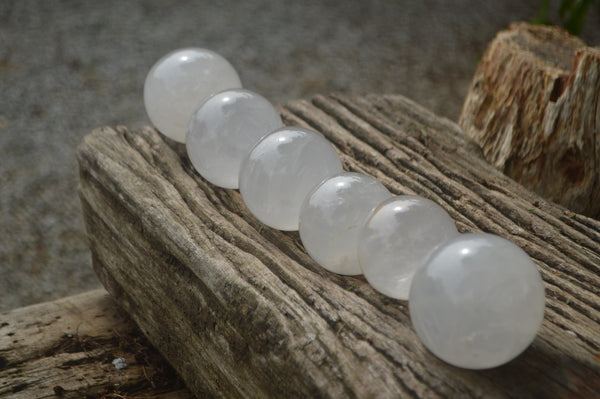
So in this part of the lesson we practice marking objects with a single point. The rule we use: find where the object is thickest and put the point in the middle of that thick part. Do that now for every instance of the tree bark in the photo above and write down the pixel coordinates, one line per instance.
(240, 310)
(533, 107)
(65, 348)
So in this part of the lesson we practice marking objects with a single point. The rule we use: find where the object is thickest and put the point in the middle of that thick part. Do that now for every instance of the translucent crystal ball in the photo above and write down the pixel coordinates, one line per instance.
(397, 238)
(478, 302)
(331, 217)
(281, 170)
(179, 82)
(223, 131)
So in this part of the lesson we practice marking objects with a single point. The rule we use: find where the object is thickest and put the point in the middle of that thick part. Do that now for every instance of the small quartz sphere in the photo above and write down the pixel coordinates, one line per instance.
(397, 238)
(223, 131)
(331, 216)
(478, 302)
(179, 82)
(280, 171)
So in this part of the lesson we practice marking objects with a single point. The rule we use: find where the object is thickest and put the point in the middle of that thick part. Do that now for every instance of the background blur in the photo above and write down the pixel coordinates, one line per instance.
(67, 67)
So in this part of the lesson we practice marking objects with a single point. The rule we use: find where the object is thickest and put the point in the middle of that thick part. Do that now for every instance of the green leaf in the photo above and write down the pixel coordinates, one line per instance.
(572, 13)
(542, 16)
(565, 6)
(577, 15)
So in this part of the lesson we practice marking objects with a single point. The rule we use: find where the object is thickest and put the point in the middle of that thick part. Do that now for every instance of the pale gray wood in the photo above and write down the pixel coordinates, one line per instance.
(65, 349)
(240, 310)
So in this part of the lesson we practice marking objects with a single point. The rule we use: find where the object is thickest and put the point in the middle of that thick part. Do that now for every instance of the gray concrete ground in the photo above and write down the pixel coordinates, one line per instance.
(67, 67)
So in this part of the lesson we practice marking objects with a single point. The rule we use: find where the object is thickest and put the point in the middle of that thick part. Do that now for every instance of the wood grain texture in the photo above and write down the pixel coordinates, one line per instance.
(240, 310)
(533, 106)
(65, 349)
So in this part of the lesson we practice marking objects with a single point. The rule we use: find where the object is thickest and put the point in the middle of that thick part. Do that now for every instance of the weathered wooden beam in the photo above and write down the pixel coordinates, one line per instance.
(533, 106)
(240, 310)
(65, 349)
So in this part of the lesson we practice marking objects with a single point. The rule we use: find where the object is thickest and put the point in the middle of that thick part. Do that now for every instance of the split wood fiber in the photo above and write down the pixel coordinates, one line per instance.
(65, 349)
(533, 106)
(240, 310)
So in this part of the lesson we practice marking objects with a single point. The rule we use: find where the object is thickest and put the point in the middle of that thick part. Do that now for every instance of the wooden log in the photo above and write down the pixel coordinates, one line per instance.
(65, 349)
(533, 106)
(240, 309)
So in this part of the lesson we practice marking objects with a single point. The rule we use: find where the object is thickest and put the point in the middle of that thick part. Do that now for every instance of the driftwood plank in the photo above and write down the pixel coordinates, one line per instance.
(239, 309)
(65, 349)
(534, 107)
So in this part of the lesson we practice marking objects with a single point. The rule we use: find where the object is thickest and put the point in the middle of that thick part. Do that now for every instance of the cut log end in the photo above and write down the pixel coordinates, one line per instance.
(533, 108)
(551, 46)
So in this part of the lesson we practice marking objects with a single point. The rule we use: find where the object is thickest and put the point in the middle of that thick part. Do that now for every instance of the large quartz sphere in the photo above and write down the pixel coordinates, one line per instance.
(478, 301)
(331, 216)
(281, 170)
(223, 131)
(179, 82)
(397, 238)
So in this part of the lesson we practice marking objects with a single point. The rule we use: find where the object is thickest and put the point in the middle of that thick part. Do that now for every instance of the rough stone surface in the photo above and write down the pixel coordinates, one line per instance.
(66, 68)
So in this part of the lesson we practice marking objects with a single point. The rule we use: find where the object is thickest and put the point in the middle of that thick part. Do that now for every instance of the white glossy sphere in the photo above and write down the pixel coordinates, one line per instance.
(281, 170)
(223, 131)
(397, 239)
(331, 217)
(179, 82)
(478, 302)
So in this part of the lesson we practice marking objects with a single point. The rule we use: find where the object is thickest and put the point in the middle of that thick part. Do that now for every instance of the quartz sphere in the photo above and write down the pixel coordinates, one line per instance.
(280, 171)
(331, 217)
(223, 131)
(396, 239)
(478, 302)
(179, 82)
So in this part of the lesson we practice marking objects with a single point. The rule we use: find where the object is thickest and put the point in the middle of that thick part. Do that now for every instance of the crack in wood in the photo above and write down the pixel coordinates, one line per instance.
(233, 304)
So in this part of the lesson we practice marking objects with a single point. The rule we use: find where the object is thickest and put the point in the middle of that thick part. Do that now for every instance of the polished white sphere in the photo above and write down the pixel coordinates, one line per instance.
(223, 131)
(331, 217)
(396, 240)
(179, 82)
(281, 170)
(478, 302)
